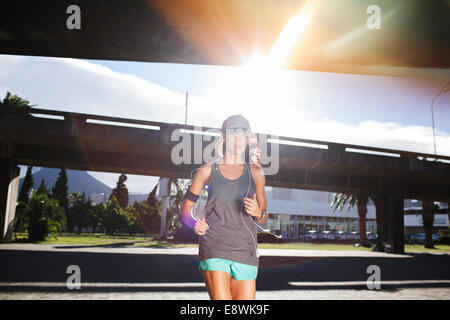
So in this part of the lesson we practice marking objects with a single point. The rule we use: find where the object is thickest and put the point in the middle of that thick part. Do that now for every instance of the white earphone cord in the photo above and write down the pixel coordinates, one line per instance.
(256, 247)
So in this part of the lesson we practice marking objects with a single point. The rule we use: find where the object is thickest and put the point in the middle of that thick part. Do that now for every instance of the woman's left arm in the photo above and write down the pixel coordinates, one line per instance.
(260, 180)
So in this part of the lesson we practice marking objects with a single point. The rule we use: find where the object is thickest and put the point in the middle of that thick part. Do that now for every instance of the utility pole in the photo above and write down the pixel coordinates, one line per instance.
(185, 114)
(164, 193)
(444, 89)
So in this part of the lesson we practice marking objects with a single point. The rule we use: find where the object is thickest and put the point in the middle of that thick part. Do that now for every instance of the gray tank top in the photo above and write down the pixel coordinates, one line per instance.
(228, 237)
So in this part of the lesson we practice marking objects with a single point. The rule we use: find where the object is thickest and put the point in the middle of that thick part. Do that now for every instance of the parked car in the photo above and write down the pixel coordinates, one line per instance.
(420, 237)
(371, 236)
(332, 235)
(412, 236)
(323, 234)
(355, 235)
(336, 235)
(346, 236)
(308, 235)
(314, 235)
(339, 235)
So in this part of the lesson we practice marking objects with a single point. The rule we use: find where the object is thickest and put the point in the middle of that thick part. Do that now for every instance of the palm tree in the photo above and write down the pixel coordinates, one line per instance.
(381, 216)
(428, 209)
(180, 189)
(360, 200)
(43, 216)
(16, 101)
(177, 191)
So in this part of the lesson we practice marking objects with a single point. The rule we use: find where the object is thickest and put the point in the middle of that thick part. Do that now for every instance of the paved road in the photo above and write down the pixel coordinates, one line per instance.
(30, 271)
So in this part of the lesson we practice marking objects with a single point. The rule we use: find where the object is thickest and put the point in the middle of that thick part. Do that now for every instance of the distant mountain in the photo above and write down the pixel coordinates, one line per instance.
(77, 181)
(139, 197)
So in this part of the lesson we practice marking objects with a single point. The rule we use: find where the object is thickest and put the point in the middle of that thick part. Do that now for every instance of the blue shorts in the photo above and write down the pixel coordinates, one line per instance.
(237, 270)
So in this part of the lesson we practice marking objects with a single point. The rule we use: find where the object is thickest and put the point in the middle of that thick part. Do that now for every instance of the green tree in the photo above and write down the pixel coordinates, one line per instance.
(79, 206)
(360, 200)
(15, 101)
(27, 184)
(114, 218)
(132, 227)
(43, 189)
(152, 200)
(23, 199)
(60, 190)
(147, 214)
(120, 192)
(94, 216)
(43, 216)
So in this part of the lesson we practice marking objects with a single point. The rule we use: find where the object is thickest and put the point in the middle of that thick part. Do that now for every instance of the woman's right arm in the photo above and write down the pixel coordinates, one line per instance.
(200, 178)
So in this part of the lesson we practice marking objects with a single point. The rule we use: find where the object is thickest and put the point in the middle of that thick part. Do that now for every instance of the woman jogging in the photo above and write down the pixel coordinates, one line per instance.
(228, 254)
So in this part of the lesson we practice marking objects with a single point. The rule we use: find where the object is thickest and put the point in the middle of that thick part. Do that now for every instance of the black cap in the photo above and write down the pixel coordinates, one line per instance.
(236, 121)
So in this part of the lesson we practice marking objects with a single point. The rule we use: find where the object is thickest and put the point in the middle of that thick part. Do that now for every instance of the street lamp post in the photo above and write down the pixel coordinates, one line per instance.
(443, 90)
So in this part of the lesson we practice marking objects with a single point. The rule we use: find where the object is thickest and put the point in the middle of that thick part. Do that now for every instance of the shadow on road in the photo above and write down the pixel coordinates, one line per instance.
(31, 267)
(126, 244)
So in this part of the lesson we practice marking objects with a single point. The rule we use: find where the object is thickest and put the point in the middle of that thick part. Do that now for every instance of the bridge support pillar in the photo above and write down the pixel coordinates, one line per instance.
(9, 185)
(395, 242)
(380, 201)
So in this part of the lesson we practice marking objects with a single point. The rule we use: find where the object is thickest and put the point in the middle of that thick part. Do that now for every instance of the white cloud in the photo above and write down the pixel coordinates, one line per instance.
(80, 86)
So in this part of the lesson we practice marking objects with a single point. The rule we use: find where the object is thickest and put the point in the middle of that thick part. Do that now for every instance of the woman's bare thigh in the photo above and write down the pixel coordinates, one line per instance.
(218, 284)
(243, 289)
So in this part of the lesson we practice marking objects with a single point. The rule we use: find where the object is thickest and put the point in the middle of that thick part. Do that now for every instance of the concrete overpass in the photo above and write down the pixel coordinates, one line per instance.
(72, 140)
(412, 33)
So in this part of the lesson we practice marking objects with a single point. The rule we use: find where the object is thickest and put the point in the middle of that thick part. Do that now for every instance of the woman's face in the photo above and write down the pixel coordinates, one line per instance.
(236, 141)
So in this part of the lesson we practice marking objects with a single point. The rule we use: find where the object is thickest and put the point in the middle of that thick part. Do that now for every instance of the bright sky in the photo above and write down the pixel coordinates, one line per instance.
(381, 111)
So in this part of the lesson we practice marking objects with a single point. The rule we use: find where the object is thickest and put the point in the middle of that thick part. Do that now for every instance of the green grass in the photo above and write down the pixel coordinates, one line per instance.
(87, 239)
(165, 244)
(310, 246)
(439, 248)
(151, 242)
(102, 239)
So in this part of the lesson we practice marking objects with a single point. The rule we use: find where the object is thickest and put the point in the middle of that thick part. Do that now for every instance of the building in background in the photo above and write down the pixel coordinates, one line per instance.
(294, 211)
(413, 217)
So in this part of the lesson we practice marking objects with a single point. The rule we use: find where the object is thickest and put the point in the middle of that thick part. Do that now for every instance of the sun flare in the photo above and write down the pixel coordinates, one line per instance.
(261, 82)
